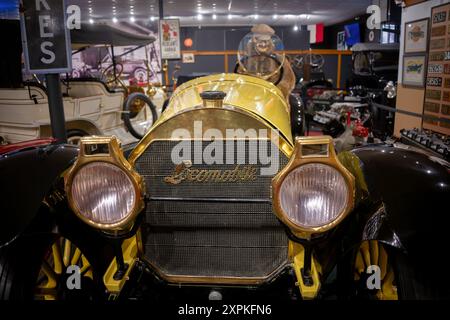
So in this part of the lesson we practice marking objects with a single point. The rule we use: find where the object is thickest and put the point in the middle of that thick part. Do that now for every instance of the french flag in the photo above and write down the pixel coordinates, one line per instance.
(316, 33)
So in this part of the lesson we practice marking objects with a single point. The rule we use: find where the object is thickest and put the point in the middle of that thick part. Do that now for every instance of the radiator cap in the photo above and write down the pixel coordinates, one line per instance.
(213, 98)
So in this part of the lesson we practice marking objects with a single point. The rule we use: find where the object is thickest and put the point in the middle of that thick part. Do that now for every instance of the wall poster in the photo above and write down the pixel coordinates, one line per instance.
(169, 33)
(437, 93)
(416, 36)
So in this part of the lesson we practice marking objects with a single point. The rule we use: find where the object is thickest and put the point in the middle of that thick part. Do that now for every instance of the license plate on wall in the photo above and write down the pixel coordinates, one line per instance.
(434, 82)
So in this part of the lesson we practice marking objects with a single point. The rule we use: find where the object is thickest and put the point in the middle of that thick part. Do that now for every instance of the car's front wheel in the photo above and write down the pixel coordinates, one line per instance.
(399, 276)
(46, 268)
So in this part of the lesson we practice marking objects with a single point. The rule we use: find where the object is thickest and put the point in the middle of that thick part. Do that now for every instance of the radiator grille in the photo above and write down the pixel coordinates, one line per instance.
(213, 230)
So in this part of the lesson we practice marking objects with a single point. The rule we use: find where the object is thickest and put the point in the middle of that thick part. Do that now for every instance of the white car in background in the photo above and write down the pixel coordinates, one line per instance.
(91, 106)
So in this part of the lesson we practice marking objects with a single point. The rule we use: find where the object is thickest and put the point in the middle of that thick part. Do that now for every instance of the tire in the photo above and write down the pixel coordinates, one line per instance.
(139, 70)
(165, 105)
(73, 136)
(21, 264)
(419, 283)
(408, 280)
(127, 116)
(17, 272)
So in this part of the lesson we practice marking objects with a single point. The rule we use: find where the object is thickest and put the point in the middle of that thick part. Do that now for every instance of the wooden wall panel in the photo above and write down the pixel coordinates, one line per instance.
(408, 99)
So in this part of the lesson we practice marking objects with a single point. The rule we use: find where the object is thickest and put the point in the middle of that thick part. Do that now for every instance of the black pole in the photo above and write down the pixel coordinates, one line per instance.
(56, 107)
(163, 65)
(161, 9)
(114, 62)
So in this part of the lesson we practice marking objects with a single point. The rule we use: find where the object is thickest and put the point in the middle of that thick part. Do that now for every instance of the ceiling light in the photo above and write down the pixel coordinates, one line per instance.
(230, 17)
(114, 19)
(132, 19)
(199, 17)
(308, 17)
(295, 28)
(152, 18)
(214, 16)
(91, 21)
(275, 16)
(256, 17)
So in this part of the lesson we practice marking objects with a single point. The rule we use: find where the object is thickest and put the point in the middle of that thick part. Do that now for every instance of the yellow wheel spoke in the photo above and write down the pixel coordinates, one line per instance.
(374, 252)
(52, 278)
(76, 257)
(86, 265)
(389, 291)
(383, 262)
(63, 253)
(67, 251)
(359, 265)
(57, 260)
(45, 294)
(365, 253)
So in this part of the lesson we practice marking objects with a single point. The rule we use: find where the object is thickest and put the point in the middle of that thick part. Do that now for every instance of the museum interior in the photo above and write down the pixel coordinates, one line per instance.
(224, 150)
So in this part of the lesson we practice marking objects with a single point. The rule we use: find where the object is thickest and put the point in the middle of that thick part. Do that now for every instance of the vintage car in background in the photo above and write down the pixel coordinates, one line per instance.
(374, 80)
(195, 211)
(91, 106)
(368, 99)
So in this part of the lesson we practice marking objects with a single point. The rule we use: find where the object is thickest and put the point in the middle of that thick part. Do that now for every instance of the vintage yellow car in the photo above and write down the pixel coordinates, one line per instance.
(218, 199)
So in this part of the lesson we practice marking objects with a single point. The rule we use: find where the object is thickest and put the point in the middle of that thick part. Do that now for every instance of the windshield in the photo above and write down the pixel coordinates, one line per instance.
(261, 54)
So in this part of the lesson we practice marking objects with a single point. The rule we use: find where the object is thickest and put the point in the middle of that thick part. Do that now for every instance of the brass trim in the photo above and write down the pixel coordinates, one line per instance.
(243, 92)
(116, 158)
(297, 160)
(203, 280)
(284, 144)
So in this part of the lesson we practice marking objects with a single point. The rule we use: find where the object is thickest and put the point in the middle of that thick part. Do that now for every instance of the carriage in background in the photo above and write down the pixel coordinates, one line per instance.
(92, 105)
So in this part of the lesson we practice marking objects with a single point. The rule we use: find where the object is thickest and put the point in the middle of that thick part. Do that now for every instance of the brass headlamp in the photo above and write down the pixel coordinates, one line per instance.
(102, 188)
(314, 192)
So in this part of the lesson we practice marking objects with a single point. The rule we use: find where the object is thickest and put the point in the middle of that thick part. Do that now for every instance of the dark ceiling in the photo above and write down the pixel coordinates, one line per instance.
(214, 12)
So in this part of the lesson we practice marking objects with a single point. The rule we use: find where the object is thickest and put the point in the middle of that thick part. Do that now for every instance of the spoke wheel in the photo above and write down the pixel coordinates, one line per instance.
(373, 253)
(51, 282)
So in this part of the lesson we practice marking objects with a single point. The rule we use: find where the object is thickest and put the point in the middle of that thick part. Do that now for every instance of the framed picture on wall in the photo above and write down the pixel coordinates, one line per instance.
(414, 70)
(169, 35)
(188, 58)
(341, 44)
(416, 36)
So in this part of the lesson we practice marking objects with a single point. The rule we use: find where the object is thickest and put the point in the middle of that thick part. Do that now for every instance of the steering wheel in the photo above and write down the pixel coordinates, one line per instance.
(110, 76)
(316, 61)
(273, 57)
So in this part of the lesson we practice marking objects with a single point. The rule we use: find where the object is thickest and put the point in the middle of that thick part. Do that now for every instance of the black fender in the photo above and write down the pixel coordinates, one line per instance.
(413, 189)
(27, 175)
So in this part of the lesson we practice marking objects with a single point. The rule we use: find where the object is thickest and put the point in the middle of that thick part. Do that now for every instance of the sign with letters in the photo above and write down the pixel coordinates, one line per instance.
(435, 68)
(437, 94)
(434, 82)
(440, 17)
(432, 107)
(169, 33)
(45, 37)
(438, 31)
